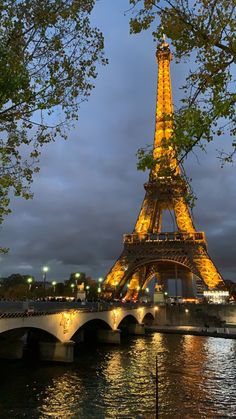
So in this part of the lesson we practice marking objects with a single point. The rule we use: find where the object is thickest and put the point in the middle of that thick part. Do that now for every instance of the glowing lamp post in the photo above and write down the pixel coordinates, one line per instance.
(54, 286)
(99, 285)
(77, 275)
(29, 280)
(87, 291)
(45, 270)
(73, 288)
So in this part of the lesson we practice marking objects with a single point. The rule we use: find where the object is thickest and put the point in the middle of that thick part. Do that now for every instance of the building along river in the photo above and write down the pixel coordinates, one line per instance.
(197, 379)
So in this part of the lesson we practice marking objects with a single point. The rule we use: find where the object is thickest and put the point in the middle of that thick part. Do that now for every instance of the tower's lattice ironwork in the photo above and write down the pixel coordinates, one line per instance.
(149, 251)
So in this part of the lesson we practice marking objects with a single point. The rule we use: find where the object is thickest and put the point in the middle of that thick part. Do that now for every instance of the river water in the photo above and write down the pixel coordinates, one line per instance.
(197, 379)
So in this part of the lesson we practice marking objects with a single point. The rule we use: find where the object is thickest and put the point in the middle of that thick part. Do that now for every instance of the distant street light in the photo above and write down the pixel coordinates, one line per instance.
(54, 283)
(77, 275)
(72, 287)
(99, 285)
(45, 270)
(87, 290)
(30, 280)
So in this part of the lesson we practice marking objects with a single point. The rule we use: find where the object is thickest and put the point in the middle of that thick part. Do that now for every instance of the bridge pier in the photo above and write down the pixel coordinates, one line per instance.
(108, 336)
(12, 349)
(136, 329)
(57, 351)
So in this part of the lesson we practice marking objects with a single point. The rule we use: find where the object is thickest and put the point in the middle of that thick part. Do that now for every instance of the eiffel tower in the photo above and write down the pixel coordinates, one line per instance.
(149, 252)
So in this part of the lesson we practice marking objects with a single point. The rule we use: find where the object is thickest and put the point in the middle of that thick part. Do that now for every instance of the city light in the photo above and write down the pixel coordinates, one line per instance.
(30, 280)
(54, 283)
(45, 270)
(216, 297)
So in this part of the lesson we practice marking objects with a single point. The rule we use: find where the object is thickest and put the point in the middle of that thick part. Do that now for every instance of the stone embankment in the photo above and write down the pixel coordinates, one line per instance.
(220, 332)
(196, 319)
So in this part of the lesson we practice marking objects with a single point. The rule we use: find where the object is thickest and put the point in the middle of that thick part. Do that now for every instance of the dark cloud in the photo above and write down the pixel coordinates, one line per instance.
(88, 193)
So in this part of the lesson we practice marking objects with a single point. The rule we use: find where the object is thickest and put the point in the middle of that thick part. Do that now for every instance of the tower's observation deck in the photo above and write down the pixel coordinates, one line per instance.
(150, 251)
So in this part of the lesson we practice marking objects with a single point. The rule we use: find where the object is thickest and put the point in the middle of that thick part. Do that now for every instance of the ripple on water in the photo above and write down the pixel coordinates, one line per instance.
(197, 377)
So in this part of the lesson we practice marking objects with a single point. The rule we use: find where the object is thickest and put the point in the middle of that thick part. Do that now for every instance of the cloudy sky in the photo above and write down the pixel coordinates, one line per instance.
(88, 192)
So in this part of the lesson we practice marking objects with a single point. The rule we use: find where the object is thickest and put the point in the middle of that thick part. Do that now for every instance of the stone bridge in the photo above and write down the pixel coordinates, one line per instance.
(57, 332)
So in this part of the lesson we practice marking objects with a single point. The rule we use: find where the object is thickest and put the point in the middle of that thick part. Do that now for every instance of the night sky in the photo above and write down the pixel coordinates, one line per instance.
(89, 192)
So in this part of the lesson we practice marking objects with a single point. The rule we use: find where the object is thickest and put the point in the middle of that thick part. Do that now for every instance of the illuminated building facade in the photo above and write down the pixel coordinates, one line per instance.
(149, 251)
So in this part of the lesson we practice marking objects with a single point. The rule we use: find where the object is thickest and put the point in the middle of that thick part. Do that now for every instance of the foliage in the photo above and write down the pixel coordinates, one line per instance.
(203, 32)
(48, 58)
(147, 161)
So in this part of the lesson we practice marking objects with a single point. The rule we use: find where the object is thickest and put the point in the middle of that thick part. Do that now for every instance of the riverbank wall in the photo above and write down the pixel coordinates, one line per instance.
(199, 315)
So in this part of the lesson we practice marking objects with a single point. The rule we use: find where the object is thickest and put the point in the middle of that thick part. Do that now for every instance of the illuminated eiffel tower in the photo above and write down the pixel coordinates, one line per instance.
(149, 252)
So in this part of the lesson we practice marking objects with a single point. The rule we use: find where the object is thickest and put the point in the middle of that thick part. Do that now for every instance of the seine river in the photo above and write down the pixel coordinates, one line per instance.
(197, 379)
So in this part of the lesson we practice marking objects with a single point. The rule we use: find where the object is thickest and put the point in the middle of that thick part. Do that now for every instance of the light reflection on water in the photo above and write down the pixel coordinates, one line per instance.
(197, 379)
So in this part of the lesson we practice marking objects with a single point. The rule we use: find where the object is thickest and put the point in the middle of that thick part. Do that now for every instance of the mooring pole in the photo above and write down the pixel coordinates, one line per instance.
(157, 406)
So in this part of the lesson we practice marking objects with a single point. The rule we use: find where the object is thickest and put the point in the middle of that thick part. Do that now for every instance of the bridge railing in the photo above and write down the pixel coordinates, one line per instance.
(89, 307)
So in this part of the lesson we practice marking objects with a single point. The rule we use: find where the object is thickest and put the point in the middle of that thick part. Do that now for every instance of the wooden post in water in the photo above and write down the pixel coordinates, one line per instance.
(157, 405)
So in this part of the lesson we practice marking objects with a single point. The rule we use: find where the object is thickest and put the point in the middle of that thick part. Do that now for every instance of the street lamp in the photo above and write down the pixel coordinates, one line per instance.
(87, 290)
(147, 293)
(45, 270)
(30, 280)
(72, 287)
(99, 285)
(54, 286)
(77, 275)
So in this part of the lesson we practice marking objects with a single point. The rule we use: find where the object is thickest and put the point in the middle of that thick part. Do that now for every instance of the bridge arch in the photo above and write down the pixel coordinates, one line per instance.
(64, 326)
(19, 332)
(88, 331)
(128, 319)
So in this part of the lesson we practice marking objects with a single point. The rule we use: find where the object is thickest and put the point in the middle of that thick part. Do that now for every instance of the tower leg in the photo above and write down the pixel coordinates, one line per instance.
(134, 287)
(114, 278)
(183, 217)
(207, 270)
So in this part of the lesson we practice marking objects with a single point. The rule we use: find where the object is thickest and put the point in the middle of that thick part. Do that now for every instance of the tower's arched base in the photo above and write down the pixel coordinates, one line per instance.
(142, 259)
